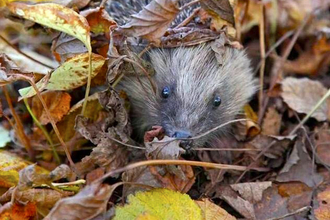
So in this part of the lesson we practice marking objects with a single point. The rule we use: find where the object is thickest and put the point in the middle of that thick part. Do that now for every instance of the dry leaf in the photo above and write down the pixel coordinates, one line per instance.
(321, 210)
(303, 94)
(211, 211)
(272, 122)
(87, 204)
(153, 21)
(58, 104)
(299, 167)
(322, 144)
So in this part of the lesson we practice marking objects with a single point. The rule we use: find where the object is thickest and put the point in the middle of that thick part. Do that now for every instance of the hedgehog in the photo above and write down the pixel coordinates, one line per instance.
(193, 91)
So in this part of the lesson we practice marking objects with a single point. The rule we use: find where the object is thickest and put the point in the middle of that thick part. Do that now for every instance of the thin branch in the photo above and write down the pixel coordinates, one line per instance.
(24, 54)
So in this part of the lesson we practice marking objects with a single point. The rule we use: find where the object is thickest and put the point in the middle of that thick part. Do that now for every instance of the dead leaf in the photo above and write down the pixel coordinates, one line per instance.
(303, 94)
(87, 204)
(152, 21)
(58, 104)
(299, 167)
(211, 211)
(167, 148)
(272, 122)
(19, 211)
(321, 210)
(65, 46)
(322, 144)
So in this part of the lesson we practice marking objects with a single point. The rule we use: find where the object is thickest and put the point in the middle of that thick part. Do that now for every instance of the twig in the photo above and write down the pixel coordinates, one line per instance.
(42, 128)
(24, 54)
(262, 56)
(188, 19)
(319, 103)
(18, 126)
(43, 103)
(180, 162)
(224, 149)
(303, 209)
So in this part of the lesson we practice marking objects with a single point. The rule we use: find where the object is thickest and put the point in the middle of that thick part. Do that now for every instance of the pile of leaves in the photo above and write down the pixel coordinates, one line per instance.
(65, 136)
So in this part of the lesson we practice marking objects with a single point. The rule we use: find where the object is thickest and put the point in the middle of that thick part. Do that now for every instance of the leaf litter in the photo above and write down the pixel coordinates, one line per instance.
(282, 137)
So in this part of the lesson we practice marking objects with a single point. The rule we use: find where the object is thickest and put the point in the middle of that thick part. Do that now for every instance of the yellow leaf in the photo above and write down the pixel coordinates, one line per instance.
(56, 17)
(69, 75)
(213, 212)
(159, 204)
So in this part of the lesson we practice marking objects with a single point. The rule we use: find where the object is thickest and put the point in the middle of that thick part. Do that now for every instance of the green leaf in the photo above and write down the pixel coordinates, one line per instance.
(159, 204)
(69, 75)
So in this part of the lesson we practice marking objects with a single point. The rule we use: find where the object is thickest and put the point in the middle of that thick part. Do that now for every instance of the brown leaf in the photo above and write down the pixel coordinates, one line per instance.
(299, 167)
(87, 204)
(321, 209)
(152, 21)
(272, 122)
(57, 102)
(245, 206)
(222, 8)
(19, 211)
(303, 94)
(99, 20)
(322, 144)
(167, 148)
(65, 46)
(108, 154)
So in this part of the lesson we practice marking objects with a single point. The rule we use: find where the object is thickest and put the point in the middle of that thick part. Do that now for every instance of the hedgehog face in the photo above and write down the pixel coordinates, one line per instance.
(194, 92)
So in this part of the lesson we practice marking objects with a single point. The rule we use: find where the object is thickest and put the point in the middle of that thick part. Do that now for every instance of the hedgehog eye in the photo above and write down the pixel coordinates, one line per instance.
(217, 101)
(166, 92)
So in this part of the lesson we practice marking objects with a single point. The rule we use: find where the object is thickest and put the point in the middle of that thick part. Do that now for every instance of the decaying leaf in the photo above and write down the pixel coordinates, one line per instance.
(303, 94)
(57, 102)
(56, 17)
(272, 122)
(322, 145)
(87, 204)
(159, 204)
(299, 167)
(210, 211)
(108, 154)
(71, 74)
(152, 22)
(321, 209)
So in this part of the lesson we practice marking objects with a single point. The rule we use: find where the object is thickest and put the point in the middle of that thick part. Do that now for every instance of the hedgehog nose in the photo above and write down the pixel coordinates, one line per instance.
(185, 144)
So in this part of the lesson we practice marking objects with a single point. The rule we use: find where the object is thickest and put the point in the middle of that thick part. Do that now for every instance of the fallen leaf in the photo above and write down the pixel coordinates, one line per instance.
(152, 21)
(211, 211)
(57, 17)
(322, 144)
(98, 20)
(321, 209)
(58, 104)
(159, 204)
(87, 204)
(299, 167)
(272, 122)
(70, 75)
(303, 94)
(19, 211)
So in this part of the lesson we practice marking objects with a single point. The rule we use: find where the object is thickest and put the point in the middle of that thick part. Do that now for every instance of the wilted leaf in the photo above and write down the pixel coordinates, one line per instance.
(71, 74)
(20, 211)
(322, 144)
(159, 204)
(272, 122)
(152, 22)
(303, 94)
(58, 104)
(210, 211)
(4, 137)
(99, 20)
(299, 167)
(65, 46)
(321, 204)
(31, 176)
(223, 9)
(56, 17)
(88, 203)
(167, 148)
